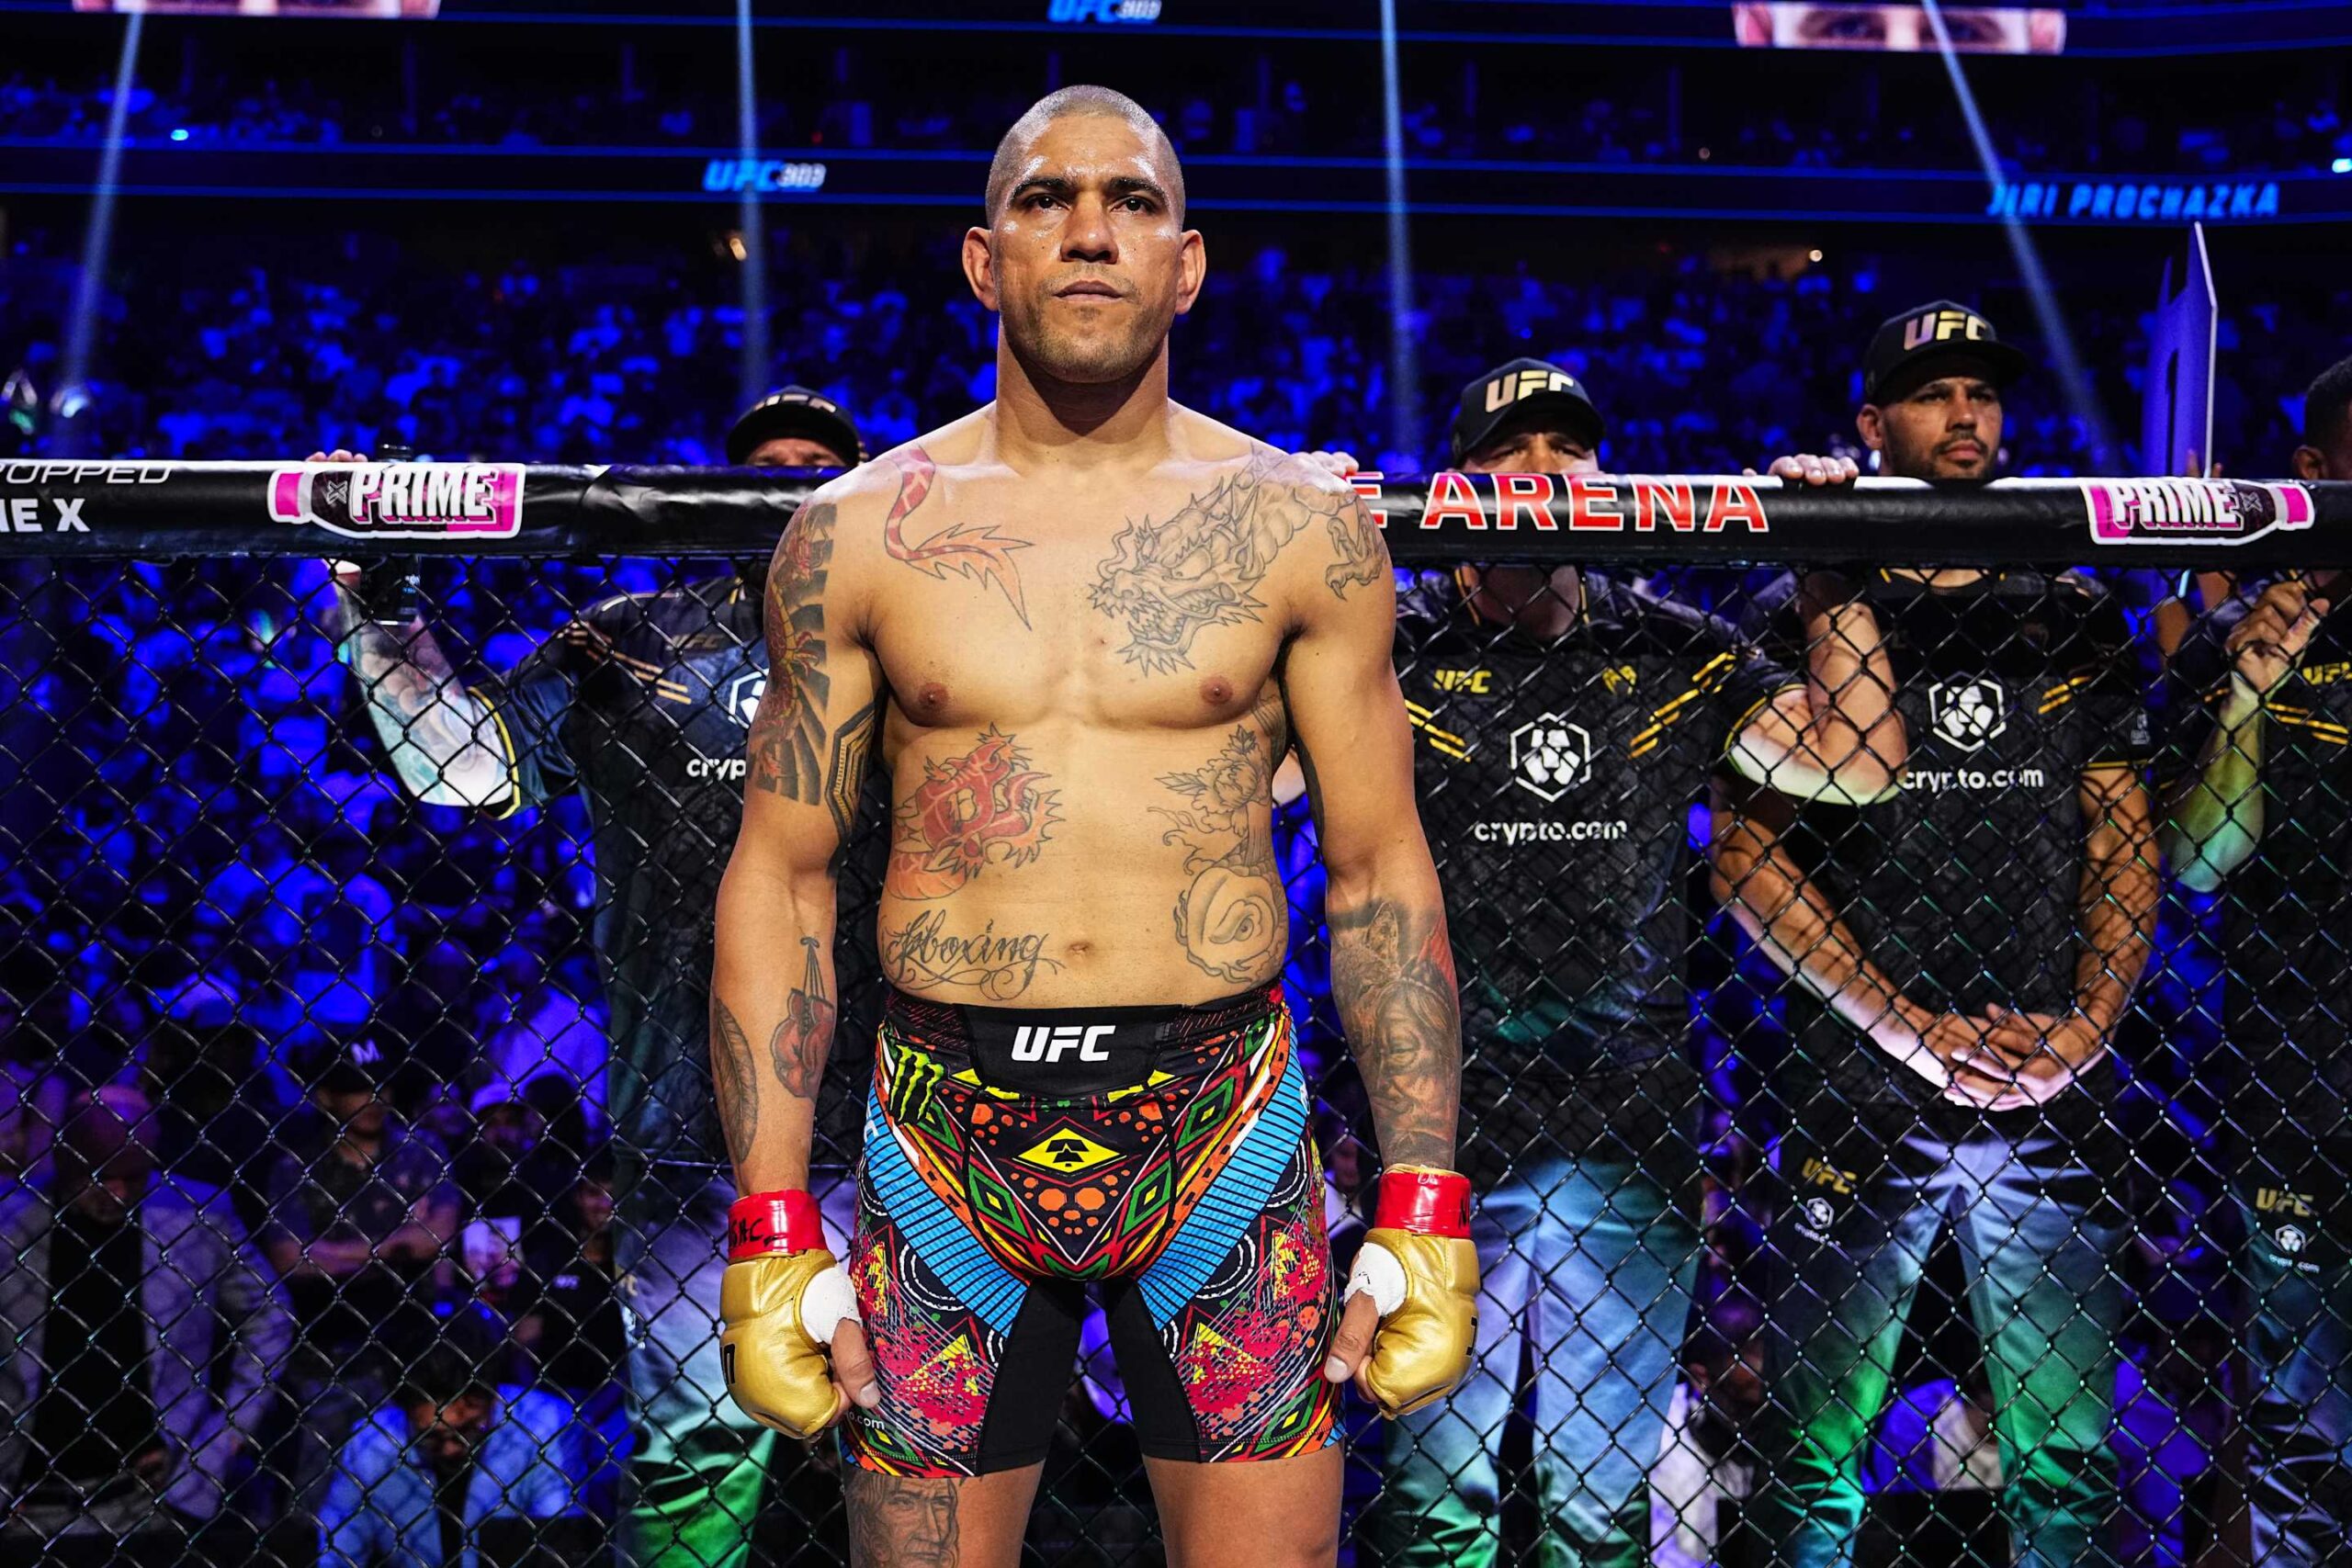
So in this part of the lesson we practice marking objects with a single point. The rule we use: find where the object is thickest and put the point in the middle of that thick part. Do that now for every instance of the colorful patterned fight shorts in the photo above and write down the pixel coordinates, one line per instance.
(1160, 1155)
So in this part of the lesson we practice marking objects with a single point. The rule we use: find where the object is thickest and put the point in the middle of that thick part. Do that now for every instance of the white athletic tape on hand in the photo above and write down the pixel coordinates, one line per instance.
(826, 1302)
(1378, 1273)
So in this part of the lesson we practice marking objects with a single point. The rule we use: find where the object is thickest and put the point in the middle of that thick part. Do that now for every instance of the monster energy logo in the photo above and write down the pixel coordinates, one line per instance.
(914, 1077)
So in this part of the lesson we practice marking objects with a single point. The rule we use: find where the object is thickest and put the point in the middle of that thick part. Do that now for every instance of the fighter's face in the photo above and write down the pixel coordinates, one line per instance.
(1949, 428)
(794, 452)
(1087, 262)
(1540, 447)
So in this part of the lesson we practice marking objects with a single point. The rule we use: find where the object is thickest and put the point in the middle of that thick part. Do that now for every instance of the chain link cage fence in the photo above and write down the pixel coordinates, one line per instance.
(1945, 1171)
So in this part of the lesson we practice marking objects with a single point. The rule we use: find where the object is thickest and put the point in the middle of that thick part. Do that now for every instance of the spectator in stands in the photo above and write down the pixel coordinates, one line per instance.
(146, 1338)
(557, 1027)
(217, 1123)
(511, 1183)
(568, 1319)
(1704, 1466)
(32, 1101)
(460, 1466)
(362, 1218)
(305, 919)
(438, 1010)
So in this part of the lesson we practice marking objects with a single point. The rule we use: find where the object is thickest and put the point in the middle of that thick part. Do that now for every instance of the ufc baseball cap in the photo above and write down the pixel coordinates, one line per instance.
(1906, 348)
(1508, 391)
(795, 411)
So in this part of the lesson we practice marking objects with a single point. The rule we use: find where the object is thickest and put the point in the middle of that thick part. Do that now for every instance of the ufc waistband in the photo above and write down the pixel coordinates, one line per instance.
(1063, 1051)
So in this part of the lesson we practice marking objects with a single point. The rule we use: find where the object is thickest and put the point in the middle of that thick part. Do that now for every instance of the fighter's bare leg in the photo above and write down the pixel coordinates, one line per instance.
(897, 1521)
(1278, 1513)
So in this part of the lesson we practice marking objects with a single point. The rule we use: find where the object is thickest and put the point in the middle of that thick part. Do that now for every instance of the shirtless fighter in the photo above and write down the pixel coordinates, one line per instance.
(1081, 627)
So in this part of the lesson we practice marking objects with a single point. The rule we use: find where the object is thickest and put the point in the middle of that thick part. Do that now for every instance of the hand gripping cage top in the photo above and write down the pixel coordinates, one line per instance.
(1943, 1167)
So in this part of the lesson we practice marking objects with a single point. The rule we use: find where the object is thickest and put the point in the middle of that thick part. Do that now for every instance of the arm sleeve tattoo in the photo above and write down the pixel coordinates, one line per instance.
(789, 751)
(1393, 981)
(441, 740)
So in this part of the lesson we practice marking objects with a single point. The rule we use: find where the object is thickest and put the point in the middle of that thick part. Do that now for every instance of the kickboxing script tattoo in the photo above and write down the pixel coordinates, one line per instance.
(985, 806)
(1000, 966)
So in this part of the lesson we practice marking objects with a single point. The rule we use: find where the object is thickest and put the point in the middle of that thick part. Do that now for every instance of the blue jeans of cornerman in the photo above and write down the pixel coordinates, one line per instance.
(1587, 1268)
(2296, 1272)
(2041, 1236)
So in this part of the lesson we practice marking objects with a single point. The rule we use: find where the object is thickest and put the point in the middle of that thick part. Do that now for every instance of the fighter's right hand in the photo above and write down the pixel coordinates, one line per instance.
(786, 1303)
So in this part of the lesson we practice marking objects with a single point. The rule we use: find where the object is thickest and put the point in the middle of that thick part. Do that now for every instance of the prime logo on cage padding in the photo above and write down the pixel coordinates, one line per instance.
(2219, 511)
(400, 501)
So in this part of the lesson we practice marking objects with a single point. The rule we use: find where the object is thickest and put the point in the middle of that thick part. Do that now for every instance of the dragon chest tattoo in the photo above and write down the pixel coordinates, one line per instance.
(1201, 565)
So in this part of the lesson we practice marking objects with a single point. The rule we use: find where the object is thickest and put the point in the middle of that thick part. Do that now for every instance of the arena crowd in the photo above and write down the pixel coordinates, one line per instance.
(355, 1045)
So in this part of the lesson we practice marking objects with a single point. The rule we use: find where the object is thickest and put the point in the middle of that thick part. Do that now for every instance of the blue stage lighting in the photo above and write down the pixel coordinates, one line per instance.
(97, 243)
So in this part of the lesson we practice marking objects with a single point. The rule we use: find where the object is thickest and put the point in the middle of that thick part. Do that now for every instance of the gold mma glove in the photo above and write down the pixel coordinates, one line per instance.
(782, 1296)
(1420, 1268)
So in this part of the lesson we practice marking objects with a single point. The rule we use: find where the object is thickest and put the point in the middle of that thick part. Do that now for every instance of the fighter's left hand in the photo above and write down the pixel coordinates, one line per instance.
(1412, 1300)
(1804, 468)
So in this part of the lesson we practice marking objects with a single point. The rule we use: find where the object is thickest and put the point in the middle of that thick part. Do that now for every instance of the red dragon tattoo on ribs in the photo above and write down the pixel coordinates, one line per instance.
(969, 811)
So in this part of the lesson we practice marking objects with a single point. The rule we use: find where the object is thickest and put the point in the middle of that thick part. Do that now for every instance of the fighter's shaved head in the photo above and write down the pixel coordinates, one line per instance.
(1106, 102)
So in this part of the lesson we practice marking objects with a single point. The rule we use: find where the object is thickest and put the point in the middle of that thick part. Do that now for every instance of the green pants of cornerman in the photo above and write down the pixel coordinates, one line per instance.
(700, 1471)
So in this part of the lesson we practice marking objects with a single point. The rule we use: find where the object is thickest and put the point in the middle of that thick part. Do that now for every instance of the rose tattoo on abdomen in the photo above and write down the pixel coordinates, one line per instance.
(1231, 918)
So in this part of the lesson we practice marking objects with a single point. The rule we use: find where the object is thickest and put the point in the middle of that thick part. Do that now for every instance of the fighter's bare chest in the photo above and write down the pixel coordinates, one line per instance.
(1074, 648)
(1164, 604)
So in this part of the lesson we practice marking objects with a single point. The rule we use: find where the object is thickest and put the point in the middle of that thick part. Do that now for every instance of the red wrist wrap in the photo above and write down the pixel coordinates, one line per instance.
(773, 1222)
(1425, 1203)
